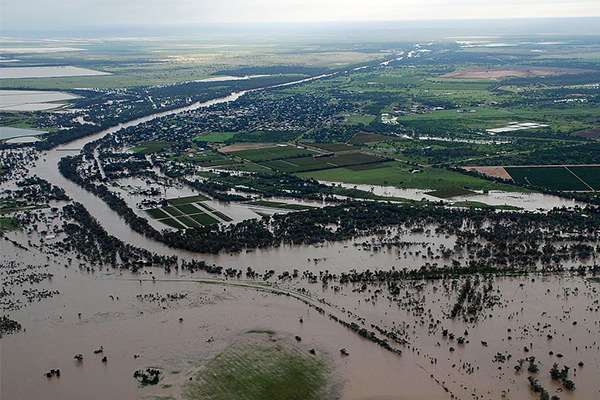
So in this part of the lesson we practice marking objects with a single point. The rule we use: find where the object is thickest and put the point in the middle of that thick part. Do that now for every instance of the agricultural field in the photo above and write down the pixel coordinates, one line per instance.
(216, 137)
(187, 212)
(363, 137)
(272, 153)
(151, 147)
(398, 174)
(514, 70)
(163, 62)
(568, 178)
(331, 147)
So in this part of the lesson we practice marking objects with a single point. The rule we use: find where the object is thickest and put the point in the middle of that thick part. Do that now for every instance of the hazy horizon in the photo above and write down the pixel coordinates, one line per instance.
(356, 31)
(63, 15)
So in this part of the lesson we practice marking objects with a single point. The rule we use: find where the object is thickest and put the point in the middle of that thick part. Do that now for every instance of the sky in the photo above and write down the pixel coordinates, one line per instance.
(77, 14)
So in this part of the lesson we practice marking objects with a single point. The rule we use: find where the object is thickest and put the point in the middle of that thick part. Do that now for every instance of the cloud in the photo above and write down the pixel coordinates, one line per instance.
(44, 14)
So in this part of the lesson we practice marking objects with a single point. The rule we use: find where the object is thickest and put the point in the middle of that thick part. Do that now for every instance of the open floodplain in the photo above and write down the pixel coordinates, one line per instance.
(190, 325)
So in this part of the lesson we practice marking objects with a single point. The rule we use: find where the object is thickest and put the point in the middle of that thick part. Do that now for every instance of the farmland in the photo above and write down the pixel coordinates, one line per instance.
(569, 178)
(272, 153)
(397, 174)
(187, 212)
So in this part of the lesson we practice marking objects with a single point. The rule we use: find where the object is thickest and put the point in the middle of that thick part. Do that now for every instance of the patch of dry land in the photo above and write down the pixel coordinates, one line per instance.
(521, 71)
(493, 171)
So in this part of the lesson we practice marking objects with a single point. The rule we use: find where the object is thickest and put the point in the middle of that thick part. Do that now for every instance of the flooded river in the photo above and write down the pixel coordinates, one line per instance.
(124, 313)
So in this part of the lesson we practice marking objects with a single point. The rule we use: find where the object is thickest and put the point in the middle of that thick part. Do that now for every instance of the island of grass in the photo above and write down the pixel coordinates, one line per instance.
(9, 224)
(266, 368)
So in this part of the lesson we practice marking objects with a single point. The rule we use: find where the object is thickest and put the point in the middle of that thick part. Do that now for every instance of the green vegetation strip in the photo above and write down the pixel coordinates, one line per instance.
(224, 217)
(188, 209)
(275, 204)
(204, 219)
(172, 223)
(447, 193)
(157, 213)
(187, 200)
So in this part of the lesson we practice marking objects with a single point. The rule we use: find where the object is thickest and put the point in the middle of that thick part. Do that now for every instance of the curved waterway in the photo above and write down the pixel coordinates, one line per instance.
(47, 168)
(304, 256)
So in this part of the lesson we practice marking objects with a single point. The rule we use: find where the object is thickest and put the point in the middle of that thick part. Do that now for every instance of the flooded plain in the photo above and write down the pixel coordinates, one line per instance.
(175, 320)
(46, 72)
(32, 100)
(7, 132)
(526, 201)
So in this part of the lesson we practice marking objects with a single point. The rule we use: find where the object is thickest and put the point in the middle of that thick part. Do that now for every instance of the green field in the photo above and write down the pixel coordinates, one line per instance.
(591, 175)
(358, 119)
(291, 165)
(151, 147)
(216, 137)
(554, 178)
(204, 219)
(188, 209)
(157, 213)
(267, 370)
(394, 173)
(186, 200)
(272, 153)
(363, 137)
(333, 147)
(172, 223)
(224, 217)
(347, 159)
(187, 221)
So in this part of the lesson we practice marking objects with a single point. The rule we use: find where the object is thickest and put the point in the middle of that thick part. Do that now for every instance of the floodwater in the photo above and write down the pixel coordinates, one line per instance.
(526, 201)
(32, 100)
(46, 72)
(7, 132)
(226, 310)
(229, 78)
(127, 326)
